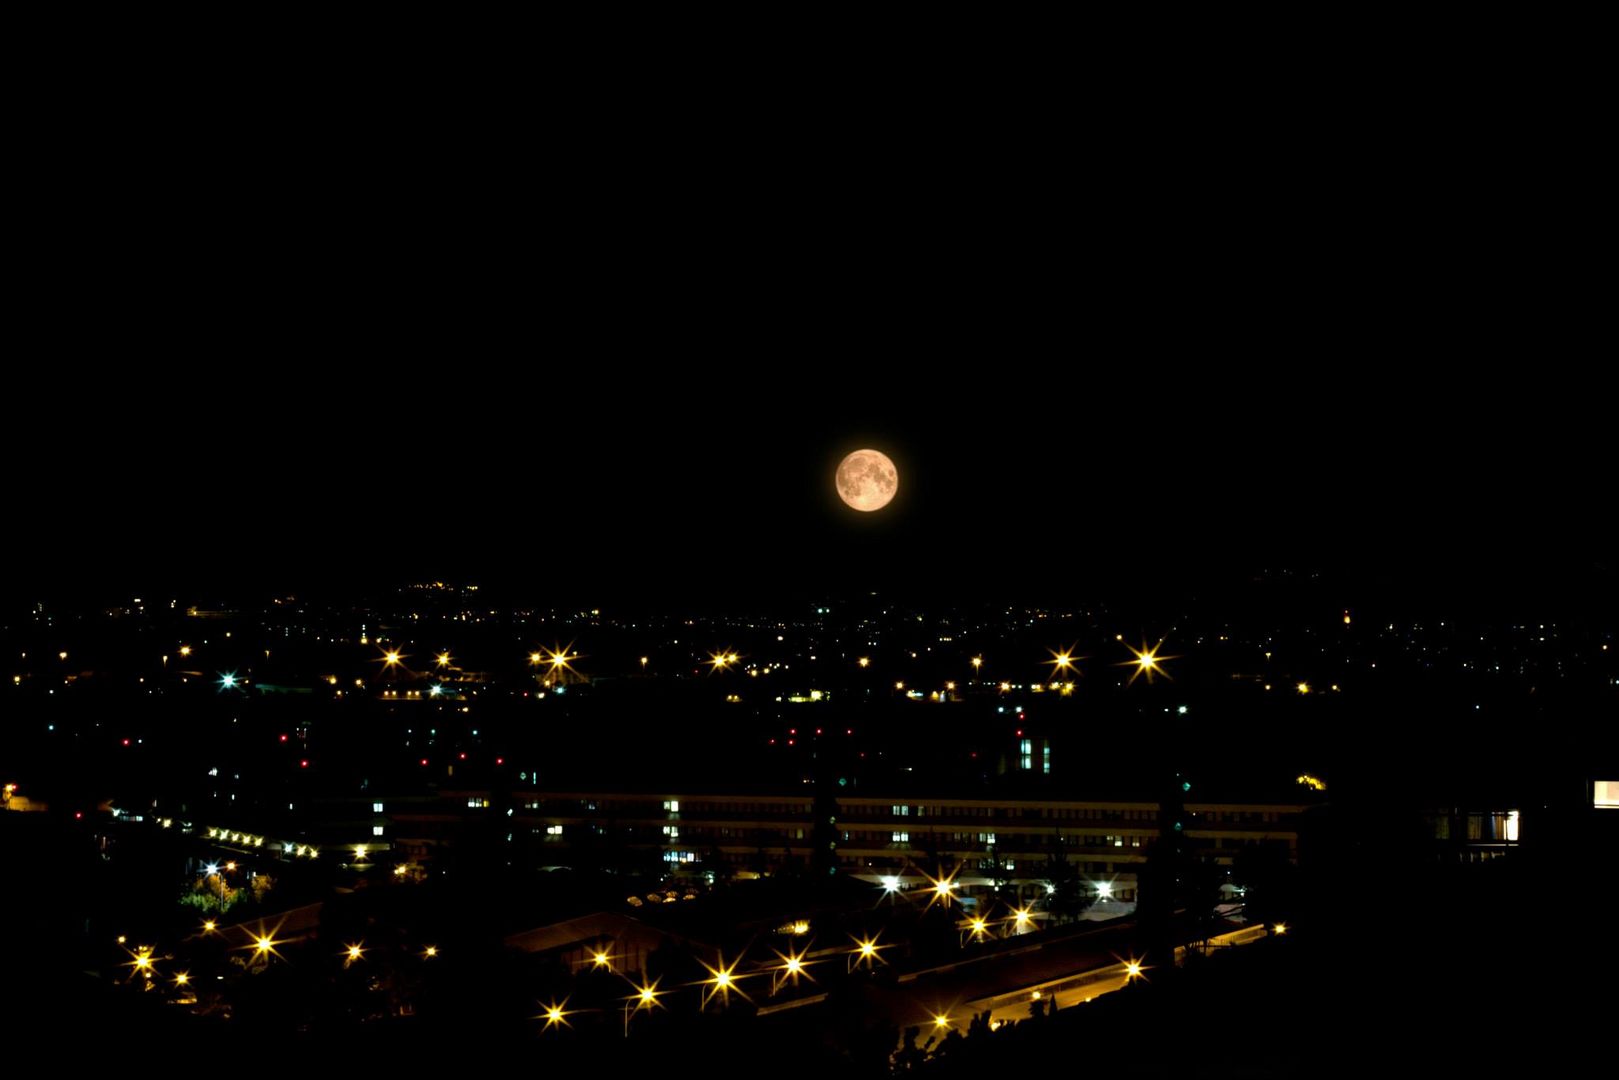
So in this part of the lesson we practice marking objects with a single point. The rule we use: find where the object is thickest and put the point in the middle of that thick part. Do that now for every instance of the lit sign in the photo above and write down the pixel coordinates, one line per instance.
(1605, 794)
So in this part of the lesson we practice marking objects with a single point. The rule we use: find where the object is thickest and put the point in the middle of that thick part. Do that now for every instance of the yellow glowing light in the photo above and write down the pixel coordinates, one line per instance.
(601, 959)
(941, 1021)
(1314, 783)
(793, 965)
(1147, 662)
(801, 926)
(1303, 688)
(721, 981)
(1021, 916)
(142, 961)
(390, 658)
(949, 686)
(979, 926)
(556, 1015)
(430, 952)
(899, 686)
(1061, 661)
(864, 661)
(185, 650)
(1005, 686)
(359, 851)
(230, 866)
(1281, 928)
(1035, 996)
(978, 662)
(646, 997)
(209, 927)
(443, 659)
(535, 658)
(1132, 969)
(644, 661)
(182, 979)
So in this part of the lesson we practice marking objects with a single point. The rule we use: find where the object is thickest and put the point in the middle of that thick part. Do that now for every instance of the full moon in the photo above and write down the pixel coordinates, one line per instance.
(867, 480)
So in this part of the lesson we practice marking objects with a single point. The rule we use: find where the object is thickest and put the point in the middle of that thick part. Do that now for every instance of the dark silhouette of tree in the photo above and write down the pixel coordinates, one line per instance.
(1066, 895)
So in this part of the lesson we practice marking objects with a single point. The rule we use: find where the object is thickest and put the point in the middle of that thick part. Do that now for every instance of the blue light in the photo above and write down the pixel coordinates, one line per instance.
(436, 691)
(227, 682)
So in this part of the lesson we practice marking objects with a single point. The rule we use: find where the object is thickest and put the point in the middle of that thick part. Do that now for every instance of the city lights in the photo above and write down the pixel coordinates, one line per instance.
(1147, 662)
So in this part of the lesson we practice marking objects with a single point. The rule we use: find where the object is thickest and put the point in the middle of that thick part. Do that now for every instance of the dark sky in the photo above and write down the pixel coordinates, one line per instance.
(1092, 471)
(261, 343)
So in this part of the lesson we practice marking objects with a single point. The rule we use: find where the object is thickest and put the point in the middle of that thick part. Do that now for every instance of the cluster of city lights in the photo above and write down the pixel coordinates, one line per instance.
(288, 847)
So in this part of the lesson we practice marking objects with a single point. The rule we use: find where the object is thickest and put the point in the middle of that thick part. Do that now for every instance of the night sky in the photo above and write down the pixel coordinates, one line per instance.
(579, 479)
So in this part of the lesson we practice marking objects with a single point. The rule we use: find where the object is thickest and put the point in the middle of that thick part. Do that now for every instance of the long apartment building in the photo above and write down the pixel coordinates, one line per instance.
(876, 838)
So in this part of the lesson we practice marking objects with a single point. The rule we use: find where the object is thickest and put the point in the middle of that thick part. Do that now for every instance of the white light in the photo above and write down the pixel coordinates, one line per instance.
(891, 884)
(1105, 890)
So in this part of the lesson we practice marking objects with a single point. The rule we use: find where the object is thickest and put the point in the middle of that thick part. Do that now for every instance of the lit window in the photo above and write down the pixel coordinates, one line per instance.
(376, 830)
(672, 805)
(902, 837)
(553, 830)
(376, 808)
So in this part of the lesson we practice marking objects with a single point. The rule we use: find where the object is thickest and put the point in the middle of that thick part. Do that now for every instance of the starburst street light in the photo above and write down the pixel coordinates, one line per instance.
(140, 961)
(646, 996)
(791, 967)
(264, 946)
(942, 888)
(1147, 661)
(443, 659)
(555, 1015)
(355, 952)
(1063, 660)
(866, 951)
(721, 981)
(600, 959)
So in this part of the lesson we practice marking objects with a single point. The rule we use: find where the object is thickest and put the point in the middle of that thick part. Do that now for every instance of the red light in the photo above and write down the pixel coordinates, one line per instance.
(817, 731)
(1020, 731)
(772, 742)
(849, 732)
(789, 742)
(463, 755)
(78, 815)
(424, 762)
(283, 738)
(304, 764)
(500, 761)
(126, 742)
(792, 731)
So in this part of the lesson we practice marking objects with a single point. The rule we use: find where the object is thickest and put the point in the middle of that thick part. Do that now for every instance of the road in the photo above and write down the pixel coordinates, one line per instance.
(1082, 986)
